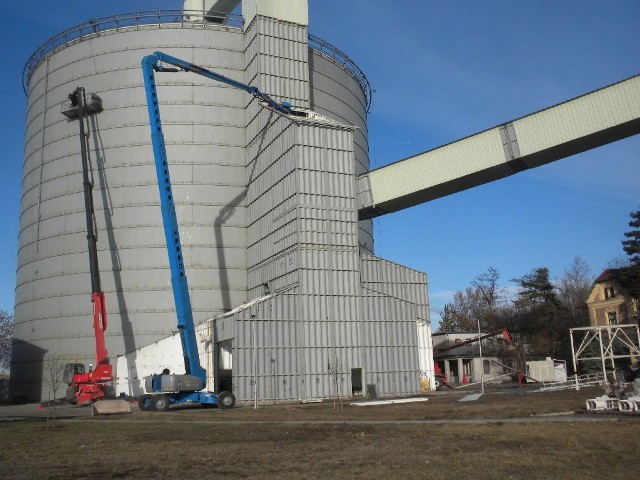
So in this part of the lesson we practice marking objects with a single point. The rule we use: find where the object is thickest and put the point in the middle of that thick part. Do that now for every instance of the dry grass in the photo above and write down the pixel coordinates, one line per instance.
(316, 442)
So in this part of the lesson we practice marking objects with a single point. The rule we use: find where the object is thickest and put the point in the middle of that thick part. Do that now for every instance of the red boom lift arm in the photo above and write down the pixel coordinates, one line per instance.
(87, 387)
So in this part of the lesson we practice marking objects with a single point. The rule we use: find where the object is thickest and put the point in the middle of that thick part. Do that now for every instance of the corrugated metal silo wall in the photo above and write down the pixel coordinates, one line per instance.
(204, 128)
(336, 94)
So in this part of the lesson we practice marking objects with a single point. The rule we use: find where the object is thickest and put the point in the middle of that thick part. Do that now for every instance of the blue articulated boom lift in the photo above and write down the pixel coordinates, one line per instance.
(166, 389)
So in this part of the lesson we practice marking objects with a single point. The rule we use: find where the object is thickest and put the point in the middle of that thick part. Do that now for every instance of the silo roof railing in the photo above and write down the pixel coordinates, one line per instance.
(124, 20)
(148, 18)
(333, 52)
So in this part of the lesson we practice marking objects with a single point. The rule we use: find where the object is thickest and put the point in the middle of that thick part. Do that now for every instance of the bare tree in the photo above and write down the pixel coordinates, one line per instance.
(6, 337)
(479, 303)
(487, 285)
(461, 314)
(620, 261)
(573, 290)
(54, 377)
(336, 370)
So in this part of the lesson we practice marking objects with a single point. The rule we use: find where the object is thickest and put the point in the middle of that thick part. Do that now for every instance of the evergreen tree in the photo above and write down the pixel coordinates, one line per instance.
(541, 313)
(632, 245)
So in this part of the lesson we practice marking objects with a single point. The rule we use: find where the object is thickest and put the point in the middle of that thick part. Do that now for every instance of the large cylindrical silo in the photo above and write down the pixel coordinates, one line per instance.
(204, 126)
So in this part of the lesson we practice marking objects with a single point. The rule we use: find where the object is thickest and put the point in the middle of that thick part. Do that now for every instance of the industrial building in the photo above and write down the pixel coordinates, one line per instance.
(466, 358)
(266, 206)
(274, 210)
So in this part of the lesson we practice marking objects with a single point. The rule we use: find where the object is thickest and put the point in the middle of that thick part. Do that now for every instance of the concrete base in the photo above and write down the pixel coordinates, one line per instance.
(471, 397)
(108, 407)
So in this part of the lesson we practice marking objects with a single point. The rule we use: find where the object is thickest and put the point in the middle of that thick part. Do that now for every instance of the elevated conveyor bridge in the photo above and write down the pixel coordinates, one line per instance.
(583, 123)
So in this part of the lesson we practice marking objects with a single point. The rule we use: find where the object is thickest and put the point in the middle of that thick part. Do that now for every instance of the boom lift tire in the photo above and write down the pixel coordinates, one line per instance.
(160, 403)
(145, 403)
(226, 400)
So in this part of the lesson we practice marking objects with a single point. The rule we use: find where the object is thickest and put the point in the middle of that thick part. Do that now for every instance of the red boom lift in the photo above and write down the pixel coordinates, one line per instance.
(441, 379)
(86, 387)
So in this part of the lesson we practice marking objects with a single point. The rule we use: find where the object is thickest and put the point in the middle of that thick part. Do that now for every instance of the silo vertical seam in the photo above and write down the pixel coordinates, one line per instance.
(44, 127)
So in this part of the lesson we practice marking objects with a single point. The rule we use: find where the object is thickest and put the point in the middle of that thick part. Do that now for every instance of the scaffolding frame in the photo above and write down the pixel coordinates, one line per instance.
(607, 337)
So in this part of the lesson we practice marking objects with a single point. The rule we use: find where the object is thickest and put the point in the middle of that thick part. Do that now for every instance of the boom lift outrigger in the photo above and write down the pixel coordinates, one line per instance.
(165, 389)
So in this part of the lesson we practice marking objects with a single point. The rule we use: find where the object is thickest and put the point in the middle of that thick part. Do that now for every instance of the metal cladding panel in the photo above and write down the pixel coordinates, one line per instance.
(277, 222)
(329, 259)
(580, 118)
(277, 59)
(272, 225)
(275, 275)
(323, 158)
(294, 11)
(279, 359)
(264, 355)
(408, 286)
(330, 283)
(291, 360)
(360, 141)
(341, 307)
(286, 305)
(206, 143)
(269, 145)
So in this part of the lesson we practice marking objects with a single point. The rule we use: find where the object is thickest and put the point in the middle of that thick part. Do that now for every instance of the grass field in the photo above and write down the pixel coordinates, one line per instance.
(315, 441)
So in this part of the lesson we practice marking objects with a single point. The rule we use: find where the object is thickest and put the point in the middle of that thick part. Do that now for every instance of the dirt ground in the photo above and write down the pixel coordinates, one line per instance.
(512, 434)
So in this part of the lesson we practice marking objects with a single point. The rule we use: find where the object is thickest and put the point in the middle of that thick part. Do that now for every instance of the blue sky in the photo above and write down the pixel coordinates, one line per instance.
(441, 71)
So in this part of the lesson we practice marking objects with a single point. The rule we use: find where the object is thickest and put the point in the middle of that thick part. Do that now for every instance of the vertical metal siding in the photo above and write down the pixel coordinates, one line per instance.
(293, 356)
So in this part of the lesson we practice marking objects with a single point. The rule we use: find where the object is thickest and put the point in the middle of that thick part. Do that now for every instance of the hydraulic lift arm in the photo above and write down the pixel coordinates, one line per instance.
(475, 339)
(150, 65)
(156, 63)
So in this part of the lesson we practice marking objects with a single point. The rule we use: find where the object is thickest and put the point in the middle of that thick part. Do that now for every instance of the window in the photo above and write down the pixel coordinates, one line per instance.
(609, 293)
(612, 317)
